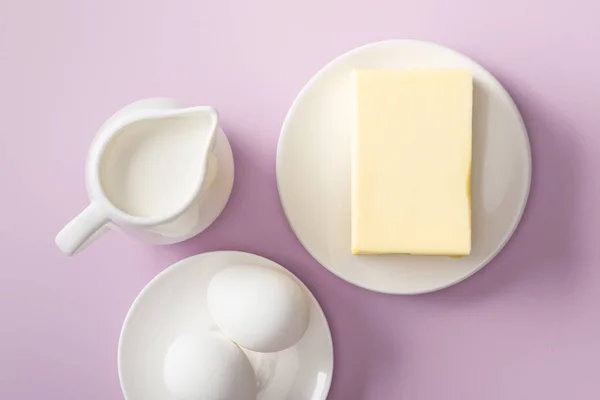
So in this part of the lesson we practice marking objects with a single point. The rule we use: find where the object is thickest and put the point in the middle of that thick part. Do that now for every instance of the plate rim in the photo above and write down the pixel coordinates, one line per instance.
(322, 71)
(176, 265)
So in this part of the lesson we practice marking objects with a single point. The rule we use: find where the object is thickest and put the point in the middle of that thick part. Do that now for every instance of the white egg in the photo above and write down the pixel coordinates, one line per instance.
(208, 366)
(261, 309)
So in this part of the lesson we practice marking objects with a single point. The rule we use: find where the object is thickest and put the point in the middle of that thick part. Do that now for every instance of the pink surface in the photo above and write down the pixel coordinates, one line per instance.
(525, 327)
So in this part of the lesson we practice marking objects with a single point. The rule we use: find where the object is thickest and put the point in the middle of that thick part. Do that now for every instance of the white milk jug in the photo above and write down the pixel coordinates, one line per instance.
(156, 170)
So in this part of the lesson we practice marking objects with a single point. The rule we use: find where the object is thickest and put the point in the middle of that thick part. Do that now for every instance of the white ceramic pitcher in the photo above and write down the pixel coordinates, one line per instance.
(157, 170)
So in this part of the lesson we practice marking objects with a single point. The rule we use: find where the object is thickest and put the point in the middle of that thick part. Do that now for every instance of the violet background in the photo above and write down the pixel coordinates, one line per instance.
(525, 327)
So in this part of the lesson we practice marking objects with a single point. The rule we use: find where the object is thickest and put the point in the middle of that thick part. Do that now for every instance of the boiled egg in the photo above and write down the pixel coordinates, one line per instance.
(207, 366)
(261, 309)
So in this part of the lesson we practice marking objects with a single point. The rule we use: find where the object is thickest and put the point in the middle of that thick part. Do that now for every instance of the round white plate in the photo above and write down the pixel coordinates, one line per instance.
(175, 302)
(313, 170)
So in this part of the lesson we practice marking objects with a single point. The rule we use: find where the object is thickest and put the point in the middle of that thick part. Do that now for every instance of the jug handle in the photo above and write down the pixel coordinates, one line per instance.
(82, 230)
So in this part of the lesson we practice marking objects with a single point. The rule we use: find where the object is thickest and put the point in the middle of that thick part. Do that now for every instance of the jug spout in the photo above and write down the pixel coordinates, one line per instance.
(203, 120)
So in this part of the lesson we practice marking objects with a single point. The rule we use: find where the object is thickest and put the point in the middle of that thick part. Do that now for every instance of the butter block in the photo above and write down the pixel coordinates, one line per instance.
(411, 162)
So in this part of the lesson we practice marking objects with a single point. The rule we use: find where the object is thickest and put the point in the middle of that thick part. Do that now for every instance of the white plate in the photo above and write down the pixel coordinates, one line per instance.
(175, 301)
(313, 170)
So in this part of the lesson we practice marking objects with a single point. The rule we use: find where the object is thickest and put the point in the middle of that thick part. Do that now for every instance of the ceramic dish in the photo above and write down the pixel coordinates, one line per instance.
(175, 302)
(204, 178)
(313, 170)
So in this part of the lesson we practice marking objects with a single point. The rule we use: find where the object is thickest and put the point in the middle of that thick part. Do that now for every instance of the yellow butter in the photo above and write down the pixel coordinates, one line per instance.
(411, 162)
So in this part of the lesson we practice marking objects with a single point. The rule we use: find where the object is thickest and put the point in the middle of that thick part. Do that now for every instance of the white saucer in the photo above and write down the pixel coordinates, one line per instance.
(175, 301)
(313, 170)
